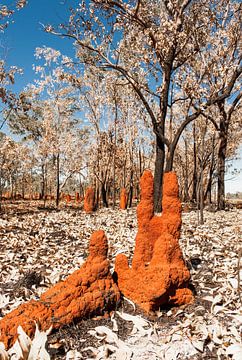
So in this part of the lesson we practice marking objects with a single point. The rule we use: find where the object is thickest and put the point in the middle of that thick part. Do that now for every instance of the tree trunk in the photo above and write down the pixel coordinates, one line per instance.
(221, 172)
(23, 187)
(104, 195)
(170, 158)
(201, 193)
(140, 162)
(194, 184)
(186, 197)
(57, 180)
(114, 183)
(221, 157)
(131, 190)
(45, 183)
(42, 192)
(208, 192)
(114, 152)
(81, 189)
(97, 197)
(158, 176)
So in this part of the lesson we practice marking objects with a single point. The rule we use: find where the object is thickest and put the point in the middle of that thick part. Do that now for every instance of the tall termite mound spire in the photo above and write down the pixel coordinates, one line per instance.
(158, 275)
(89, 200)
(123, 199)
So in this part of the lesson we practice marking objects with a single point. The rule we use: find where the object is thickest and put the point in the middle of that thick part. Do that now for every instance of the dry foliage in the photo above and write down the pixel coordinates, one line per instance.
(55, 243)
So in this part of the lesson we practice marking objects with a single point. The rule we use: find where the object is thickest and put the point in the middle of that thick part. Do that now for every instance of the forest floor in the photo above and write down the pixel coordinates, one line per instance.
(39, 247)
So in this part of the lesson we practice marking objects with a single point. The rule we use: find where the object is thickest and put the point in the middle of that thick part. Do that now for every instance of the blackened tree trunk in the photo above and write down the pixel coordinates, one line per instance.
(222, 149)
(159, 130)
(57, 180)
(186, 196)
(42, 192)
(201, 192)
(194, 176)
(131, 189)
(140, 162)
(114, 152)
(23, 185)
(104, 195)
(158, 176)
(221, 168)
(208, 192)
(97, 194)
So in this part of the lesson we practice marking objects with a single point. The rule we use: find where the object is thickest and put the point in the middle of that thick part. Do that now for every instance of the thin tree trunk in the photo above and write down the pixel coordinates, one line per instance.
(194, 185)
(201, 198)
(45, 183)
(42, 192)
(221, 166)
(131, 189)
(114, 155)
(23, 187)
(104, 195)
(208, 192)
(97, 193)
(140, 162)
(81, 189)
(186, 173)
(57, 180)
(201, 192)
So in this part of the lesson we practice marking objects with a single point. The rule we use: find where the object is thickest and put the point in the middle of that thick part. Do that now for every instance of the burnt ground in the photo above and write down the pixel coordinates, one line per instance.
(41, 246)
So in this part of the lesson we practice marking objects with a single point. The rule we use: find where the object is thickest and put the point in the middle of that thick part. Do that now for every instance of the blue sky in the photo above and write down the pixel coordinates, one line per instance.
(233, 183)
(26, 33)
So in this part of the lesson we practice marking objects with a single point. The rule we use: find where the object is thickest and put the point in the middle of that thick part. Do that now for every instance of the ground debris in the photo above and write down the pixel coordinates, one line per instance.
(41, 247)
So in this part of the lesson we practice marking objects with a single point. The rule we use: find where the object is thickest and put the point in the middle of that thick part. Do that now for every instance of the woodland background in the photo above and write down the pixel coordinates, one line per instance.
(154, 84)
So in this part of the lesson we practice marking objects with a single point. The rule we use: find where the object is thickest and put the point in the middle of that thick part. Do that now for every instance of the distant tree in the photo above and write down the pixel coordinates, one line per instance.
(14, 160)
(46, 117)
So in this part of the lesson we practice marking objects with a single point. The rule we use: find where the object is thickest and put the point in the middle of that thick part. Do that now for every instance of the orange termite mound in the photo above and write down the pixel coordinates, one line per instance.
(88, 291)
(123, 199)
(158, 275)
(68, 198)
(36, 196)
(89, 202)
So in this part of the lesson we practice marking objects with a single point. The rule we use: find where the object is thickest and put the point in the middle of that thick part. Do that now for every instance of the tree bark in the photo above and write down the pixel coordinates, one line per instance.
(208, 192)
(104, 195)
(221, 170)
(222, 149)
(42, 192)
(186, 197)
(170, 158)
(158, 176)
(114, 152)
(194, 177)
(131, 190)
(201, 193)
(57, 180)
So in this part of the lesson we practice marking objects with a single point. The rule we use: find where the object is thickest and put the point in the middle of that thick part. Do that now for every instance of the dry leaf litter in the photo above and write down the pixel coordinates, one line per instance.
(40, 247)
